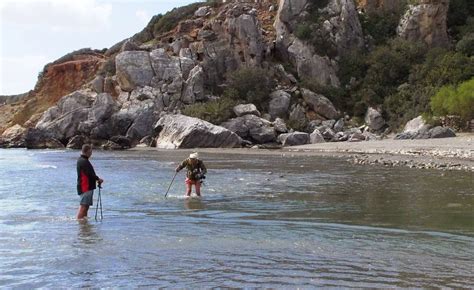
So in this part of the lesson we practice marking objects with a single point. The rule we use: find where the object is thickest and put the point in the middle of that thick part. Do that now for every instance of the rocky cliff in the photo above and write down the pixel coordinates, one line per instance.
(116, 96)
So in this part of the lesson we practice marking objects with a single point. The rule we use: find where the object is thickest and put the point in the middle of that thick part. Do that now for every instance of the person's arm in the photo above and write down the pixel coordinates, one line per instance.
(203, 168)
(181, 166)
(92, 173)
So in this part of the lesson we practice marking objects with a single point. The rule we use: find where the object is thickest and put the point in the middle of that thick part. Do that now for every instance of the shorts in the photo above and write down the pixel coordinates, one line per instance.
(87, 197)
(192, 181)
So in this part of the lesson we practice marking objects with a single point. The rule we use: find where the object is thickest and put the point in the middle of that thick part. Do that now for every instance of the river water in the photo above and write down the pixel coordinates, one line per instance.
(264, 221)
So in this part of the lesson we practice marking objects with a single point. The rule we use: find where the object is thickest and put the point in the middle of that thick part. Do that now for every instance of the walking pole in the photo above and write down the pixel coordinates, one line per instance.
(99, 200)
(170, 184)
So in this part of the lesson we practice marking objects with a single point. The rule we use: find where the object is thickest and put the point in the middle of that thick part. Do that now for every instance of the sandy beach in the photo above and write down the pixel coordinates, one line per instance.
(446, 154)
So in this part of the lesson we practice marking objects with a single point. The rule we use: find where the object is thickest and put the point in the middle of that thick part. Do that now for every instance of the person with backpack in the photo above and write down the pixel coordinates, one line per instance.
(196, 171)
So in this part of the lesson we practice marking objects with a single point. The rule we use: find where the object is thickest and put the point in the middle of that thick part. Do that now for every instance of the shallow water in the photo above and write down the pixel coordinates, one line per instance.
(264, 221)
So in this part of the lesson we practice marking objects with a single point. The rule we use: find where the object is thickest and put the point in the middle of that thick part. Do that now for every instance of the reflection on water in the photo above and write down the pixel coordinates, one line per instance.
(266, 222)
(194, 203)
(87, 233)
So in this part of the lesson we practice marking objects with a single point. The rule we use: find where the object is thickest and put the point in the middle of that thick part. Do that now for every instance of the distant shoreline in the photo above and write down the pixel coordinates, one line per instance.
(455, 153)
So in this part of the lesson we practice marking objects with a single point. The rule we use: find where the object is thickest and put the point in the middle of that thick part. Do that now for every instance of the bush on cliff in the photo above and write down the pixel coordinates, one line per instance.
(215, 111)
(250, 84)
(455, 100)
(381, 27)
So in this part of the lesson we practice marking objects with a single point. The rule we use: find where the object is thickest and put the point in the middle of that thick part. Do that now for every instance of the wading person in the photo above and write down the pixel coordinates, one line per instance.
(195, 173)
(86, 181)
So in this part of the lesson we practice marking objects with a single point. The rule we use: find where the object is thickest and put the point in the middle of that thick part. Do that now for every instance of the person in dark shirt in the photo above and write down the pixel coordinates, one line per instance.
(195, 173)
(86, 181)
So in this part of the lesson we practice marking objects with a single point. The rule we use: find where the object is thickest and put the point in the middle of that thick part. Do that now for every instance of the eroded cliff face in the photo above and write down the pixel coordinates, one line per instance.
(57, 79)
(426, 22)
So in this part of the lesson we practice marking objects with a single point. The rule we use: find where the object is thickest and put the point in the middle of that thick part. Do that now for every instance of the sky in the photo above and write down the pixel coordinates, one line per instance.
(36, 32)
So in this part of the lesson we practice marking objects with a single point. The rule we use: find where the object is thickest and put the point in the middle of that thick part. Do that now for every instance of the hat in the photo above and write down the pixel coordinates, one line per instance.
(194, 155)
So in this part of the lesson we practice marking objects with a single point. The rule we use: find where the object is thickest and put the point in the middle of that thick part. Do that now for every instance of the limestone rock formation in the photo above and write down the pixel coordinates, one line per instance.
(426, 22)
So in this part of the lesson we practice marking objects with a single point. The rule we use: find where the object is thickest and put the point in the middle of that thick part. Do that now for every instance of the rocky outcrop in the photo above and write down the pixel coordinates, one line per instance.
(13, 137)
(343, 26)
(59, 78)
(63, 119)
(179, 131)
(426, 22)
(41, 139)
(340, 27)
(133, 69)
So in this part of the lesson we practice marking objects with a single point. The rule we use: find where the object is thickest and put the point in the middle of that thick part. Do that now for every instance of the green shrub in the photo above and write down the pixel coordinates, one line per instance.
(388, 67)
(215, 111)
(381, 27)
(165, 23)
(466, 45)
(353, 64)
(443, 68)
(303, 31)
(251, 84)
(458, 15)
(454, 100)
(407, 103)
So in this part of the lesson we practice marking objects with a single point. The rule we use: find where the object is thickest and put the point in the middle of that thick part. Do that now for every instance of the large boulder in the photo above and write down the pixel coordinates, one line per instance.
(280, 126)
(414, 125)
(316, 137)
(252, 128)
(442, 132)
(320, 104)
(279, 104)
(133, 69)
(426, 22)
(246, 109)
(374, 119)
(294, 139)
(179, 131)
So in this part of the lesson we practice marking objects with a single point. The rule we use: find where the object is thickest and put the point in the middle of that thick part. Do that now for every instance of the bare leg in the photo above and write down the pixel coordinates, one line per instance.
(188, 189)
(197, 186)
(82, 212)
